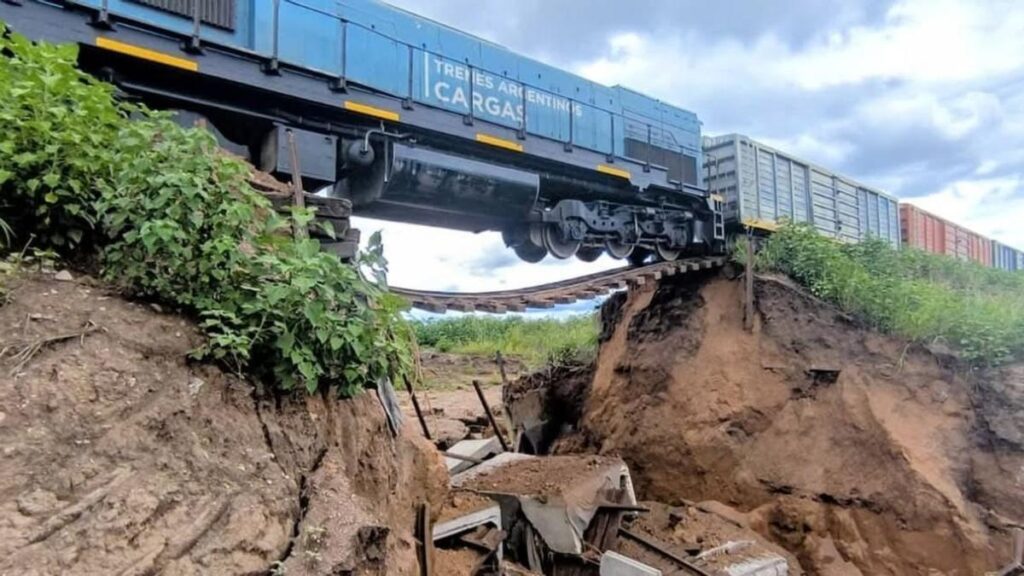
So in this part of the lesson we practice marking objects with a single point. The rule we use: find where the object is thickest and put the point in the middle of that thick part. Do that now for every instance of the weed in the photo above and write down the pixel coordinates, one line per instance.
(920, 296)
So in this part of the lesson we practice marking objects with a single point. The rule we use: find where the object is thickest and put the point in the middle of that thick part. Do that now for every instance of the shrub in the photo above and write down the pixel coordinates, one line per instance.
(920, 296)
(175, 220)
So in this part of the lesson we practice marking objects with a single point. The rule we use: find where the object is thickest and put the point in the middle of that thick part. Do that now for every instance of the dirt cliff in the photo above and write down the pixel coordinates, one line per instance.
(120, 456)
(859, 453)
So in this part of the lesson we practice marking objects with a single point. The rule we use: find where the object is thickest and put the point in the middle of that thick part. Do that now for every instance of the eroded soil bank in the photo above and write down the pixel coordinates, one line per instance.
(858, 453)
(122, 457)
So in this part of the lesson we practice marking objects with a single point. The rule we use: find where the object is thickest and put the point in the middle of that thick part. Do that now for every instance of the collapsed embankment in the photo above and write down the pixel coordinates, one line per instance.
(857, 452)
(121, 457)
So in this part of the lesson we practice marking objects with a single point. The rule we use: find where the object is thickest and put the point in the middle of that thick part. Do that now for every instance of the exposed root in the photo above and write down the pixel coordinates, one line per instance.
(71, 513)
(24, 353)
(180, 544)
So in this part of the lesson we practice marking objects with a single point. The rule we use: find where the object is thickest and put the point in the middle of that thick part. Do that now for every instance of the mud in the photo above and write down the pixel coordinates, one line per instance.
(122, 457)
(859, 453)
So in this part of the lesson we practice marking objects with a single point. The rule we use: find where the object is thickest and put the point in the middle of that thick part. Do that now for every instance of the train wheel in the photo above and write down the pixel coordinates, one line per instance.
(617, 249)
(639, 256)
(589, 253)
(557, 244)
(530, 252)
(665, 253)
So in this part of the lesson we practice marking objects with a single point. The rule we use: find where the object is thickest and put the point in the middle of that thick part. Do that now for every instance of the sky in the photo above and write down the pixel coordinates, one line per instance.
(921, 98)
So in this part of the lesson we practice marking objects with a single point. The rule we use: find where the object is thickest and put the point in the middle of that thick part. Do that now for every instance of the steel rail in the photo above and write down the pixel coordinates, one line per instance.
(554, 293)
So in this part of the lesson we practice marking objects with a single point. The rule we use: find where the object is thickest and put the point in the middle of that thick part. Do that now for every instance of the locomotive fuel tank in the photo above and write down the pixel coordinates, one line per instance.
(407, 183)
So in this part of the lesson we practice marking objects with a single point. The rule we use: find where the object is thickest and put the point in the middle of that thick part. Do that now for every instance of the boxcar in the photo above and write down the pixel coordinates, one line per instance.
(762, 186)
(1007, 258)
(926, 231)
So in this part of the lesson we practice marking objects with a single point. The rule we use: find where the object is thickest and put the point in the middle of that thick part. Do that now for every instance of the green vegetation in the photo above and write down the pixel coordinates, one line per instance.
(535, 342)
(920, 296)
(173, 219)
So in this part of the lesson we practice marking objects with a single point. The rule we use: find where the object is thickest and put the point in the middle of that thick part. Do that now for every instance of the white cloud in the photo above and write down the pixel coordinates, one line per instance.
(921, 41)
(425, 258)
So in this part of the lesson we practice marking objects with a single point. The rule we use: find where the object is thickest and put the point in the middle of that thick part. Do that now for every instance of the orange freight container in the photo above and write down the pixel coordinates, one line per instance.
(926, 231)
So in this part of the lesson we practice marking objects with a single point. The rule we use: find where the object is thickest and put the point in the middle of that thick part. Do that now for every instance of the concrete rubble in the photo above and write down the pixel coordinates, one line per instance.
(567, 514)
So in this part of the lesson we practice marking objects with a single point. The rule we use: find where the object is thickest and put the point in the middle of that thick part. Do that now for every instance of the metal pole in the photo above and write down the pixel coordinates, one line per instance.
(490, 416)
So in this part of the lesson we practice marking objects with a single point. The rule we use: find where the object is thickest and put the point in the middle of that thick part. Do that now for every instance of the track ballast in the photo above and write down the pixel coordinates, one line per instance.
(555, 293)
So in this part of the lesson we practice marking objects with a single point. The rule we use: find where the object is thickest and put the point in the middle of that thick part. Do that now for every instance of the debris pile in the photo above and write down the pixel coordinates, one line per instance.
(856, 452)
(515, 512)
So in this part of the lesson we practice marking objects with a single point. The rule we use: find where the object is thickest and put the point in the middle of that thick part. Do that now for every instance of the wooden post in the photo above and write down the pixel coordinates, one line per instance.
(501, 367)
(426, 535)
(748, 278)
(419, 411)
(490, 416)
(298, 194)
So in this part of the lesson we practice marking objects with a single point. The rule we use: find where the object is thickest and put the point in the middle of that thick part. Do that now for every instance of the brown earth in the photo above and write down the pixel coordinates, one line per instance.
(460, 562)
(547, 476)
(857, 452)
(122, 457)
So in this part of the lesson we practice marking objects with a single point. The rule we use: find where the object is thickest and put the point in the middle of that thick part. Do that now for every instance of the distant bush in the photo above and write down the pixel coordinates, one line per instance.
(920, 296)
(534, 341)
(174, 219)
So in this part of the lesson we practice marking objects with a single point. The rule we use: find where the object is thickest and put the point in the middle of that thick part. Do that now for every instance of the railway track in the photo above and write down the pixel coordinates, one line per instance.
(555, 293)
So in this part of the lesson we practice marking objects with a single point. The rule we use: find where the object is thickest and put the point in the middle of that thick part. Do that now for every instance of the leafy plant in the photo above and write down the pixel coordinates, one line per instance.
(58, 126)
(175, 220)
(920, 296)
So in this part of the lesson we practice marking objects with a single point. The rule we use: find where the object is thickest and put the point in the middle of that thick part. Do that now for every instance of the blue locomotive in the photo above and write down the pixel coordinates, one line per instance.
(409, 119)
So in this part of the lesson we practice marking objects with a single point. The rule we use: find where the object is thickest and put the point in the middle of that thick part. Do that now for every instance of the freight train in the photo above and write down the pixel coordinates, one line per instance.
(762, 186)
(417, 122)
